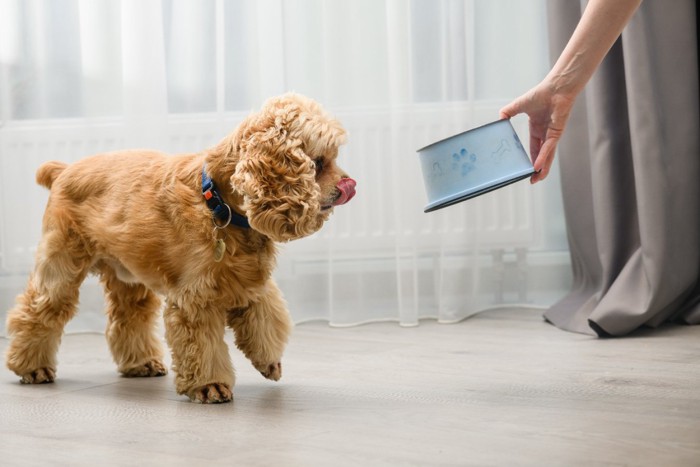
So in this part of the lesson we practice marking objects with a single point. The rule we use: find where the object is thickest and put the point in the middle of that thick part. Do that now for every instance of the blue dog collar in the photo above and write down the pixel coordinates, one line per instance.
(221, 211)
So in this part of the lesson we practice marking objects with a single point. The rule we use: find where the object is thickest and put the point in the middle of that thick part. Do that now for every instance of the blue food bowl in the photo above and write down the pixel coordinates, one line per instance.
(472, 163)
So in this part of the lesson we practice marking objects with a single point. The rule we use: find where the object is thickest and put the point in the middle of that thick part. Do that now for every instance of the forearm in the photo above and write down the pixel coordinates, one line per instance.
(601, 24)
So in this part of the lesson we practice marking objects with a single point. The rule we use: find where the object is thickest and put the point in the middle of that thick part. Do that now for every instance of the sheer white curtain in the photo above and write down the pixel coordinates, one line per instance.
(79, 77)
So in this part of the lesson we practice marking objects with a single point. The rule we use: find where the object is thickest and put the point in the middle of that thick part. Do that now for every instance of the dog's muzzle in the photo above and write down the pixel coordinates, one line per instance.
(346, 187)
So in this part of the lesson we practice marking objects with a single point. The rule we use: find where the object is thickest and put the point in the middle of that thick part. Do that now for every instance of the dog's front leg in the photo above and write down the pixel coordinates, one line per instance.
(201, 359)
(262, 330)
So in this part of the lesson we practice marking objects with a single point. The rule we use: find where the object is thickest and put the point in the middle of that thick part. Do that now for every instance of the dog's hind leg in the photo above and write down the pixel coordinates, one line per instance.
(36, 323)
(262, 331)
(132, 311)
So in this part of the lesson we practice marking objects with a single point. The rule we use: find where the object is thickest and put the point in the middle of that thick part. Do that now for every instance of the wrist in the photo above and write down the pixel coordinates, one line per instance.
(566, 83)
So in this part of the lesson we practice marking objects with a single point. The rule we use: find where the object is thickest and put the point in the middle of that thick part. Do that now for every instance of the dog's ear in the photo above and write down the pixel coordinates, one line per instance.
(276, 177)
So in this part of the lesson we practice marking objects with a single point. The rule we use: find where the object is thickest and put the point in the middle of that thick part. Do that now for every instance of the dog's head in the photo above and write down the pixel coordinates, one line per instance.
(286, 167)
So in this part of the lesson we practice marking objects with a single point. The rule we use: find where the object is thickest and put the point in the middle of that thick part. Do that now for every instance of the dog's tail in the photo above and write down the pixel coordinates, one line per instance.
(48, 172)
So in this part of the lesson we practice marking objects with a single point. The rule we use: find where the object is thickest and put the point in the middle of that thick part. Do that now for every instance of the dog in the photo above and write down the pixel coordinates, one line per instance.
(198, 230)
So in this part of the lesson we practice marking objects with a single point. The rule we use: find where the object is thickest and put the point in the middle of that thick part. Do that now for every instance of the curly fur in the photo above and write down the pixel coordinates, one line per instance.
(138, 220)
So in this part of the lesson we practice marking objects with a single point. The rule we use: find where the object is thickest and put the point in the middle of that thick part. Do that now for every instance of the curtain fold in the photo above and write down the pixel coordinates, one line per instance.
(630, 165)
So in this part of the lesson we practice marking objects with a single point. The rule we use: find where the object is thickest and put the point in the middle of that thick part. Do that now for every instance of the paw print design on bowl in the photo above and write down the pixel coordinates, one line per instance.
(464, 162)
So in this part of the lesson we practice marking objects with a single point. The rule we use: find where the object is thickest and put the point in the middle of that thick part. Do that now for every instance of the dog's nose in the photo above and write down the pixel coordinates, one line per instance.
(346, 186)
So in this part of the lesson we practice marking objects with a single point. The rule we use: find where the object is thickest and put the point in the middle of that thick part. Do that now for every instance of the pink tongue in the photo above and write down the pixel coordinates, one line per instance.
(347, 191)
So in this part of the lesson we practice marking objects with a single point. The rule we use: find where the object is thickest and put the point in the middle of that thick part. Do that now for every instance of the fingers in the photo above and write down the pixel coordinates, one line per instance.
(535, 145)
(544, 160)
(543, 138)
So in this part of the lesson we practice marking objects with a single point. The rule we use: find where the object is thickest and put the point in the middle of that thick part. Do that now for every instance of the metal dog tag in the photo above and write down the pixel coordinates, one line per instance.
(219, 250)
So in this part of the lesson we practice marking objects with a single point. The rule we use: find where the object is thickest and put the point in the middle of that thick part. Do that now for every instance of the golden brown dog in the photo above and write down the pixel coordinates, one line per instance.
(150, 224)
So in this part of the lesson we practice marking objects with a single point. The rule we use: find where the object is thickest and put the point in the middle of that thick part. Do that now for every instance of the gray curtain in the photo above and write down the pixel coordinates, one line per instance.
(630, 165)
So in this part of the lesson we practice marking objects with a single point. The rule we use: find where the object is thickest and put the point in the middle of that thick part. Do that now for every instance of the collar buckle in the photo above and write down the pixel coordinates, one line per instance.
(218, 207)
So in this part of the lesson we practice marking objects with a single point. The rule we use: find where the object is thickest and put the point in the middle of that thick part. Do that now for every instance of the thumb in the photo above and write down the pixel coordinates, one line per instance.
(511, 110)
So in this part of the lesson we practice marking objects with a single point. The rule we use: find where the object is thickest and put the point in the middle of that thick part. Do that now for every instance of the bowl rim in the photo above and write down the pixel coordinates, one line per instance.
(467, 131)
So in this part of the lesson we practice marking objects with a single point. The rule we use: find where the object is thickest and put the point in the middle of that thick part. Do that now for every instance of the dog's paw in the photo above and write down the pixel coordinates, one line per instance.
(152, 368)
(271, 371)
(214, 393)
(39, 376)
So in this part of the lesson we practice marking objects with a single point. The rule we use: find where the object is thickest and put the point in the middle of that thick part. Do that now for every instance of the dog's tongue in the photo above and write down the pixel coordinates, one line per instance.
(347, 191)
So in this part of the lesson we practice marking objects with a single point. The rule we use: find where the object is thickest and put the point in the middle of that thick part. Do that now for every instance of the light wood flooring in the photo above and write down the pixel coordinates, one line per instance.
(500, 389)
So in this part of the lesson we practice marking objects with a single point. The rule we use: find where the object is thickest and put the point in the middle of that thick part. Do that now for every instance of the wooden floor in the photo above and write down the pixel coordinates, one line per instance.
(500, 389)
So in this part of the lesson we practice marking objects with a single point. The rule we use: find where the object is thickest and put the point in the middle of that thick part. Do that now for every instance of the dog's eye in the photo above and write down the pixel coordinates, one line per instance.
(319, 166)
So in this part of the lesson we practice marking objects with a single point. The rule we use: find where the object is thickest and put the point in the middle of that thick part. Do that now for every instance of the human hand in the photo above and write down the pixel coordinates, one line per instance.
(548, 112)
